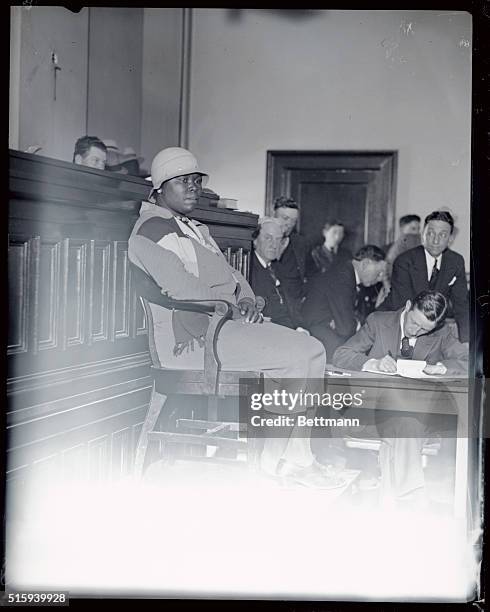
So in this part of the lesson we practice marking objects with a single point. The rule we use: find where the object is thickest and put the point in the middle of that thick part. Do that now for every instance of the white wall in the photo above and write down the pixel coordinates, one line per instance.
(361, 80)
(114, 76)
(53, 124)
(14, 80)
(162, 47)
(120, 78)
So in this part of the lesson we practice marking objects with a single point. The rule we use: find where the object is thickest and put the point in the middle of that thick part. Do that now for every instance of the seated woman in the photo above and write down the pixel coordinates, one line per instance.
(185, 261)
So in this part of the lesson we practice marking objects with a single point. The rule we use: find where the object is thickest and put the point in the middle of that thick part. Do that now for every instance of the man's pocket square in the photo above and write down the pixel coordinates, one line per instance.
(453, 280)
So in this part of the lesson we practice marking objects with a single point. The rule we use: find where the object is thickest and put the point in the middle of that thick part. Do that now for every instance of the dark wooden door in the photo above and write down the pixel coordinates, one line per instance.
(357, 188)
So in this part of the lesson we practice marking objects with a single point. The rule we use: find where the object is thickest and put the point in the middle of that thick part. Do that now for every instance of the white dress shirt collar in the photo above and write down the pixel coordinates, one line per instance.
(430, 262)
(262, 262)
(411, 341)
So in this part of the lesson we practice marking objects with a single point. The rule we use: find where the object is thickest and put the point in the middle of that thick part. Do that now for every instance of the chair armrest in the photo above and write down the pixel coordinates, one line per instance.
(221, 311)
(148, 289)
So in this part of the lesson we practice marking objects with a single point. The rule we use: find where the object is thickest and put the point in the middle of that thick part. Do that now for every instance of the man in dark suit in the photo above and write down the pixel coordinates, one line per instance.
(280, 306)
(416, 331)
(330, 311)
(330, 251)
(290, 265)
(432, 265)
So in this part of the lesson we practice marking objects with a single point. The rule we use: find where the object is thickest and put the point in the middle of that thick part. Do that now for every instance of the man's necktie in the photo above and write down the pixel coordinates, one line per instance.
(433, 276)
(276, 282)
(407, 350)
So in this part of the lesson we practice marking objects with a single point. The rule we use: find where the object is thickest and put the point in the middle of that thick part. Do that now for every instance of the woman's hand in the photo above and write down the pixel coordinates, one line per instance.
(251, 312)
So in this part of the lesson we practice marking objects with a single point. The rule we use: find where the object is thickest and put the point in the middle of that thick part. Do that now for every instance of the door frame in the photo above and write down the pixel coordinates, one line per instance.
(280, 163)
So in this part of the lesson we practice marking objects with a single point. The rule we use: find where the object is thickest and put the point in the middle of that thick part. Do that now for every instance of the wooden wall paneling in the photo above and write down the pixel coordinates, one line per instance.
(74, 412)
(76, 294)
(121, 288)
(121, 453)
(33, 294)
(27, 448)
(64, 293)
(35, 395)
(101, 291)
(98, 458)
(49, 294)
(89, 315)
(18, 271)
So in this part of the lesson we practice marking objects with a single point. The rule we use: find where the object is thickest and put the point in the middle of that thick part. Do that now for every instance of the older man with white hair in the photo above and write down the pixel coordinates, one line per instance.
(280, 306)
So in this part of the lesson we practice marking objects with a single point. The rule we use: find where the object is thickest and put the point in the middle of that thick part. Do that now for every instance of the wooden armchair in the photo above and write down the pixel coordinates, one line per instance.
(211, 381)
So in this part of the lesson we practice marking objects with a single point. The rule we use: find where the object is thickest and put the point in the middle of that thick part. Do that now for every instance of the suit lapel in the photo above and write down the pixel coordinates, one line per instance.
(420, 270)
(423, 347)
(445, 273)
(391, 341)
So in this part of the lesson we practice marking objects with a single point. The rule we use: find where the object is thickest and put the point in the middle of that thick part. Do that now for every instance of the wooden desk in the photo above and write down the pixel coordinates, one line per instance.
(418, 394)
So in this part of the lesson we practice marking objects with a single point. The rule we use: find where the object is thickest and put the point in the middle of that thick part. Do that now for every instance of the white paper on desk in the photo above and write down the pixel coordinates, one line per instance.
(411, 368)
(375, 371)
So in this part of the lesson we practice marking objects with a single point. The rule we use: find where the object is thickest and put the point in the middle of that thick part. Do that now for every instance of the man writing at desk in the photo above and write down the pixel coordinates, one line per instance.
(417, 331)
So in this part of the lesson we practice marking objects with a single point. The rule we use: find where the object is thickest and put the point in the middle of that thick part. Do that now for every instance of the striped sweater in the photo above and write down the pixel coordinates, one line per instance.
(186, 263)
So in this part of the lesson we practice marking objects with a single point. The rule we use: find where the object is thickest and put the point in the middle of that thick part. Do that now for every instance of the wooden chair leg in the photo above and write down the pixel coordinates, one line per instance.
(157, 402)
